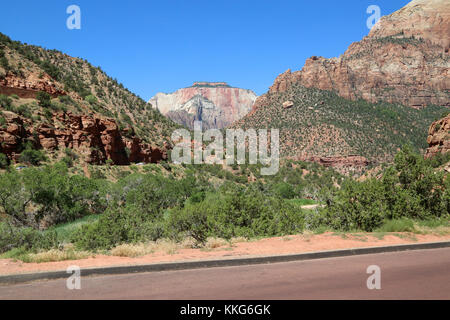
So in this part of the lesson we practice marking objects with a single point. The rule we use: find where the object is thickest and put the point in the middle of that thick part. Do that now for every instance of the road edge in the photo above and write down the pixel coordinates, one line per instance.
(200, 264)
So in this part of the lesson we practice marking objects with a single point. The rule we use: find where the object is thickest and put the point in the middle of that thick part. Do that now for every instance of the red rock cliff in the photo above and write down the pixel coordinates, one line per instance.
(96, 139)
(404, 59)
(439, 137)
(217, 105)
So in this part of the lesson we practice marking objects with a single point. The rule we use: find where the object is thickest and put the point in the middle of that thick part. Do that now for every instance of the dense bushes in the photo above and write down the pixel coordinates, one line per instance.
(148, 207)
(27, 238)
(3, 161)
(135, 212)
(39, 197)
(3, 60)
(411, 188)
(234, 213)
(115, 226)
(44, 99)
(32, 156)
(191, 202)
(227, 214)
(5, 102)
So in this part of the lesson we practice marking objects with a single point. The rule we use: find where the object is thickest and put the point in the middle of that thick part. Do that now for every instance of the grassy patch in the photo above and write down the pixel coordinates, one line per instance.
(359, 236)
(133, 250)
(407, 236)
(321, 229)
(439, 227)
(379, 235)
(397, 225)
(45, 256)
(64, 231)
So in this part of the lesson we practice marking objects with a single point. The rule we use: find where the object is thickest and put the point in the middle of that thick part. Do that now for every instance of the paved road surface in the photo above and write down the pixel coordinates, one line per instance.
(423, 274)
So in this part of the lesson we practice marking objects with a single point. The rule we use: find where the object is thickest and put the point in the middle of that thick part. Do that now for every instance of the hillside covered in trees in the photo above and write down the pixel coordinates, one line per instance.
(49, 99)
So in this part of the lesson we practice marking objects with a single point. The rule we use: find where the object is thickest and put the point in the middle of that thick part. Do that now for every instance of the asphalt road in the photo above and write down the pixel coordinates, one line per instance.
(422, 274)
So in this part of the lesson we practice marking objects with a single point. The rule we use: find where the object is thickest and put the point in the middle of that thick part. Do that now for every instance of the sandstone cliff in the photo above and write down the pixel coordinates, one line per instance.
(95, 139)
(217, 105)
(439, 137)
(81, 87)
(90, 113)
(28, 86)
(404, 59)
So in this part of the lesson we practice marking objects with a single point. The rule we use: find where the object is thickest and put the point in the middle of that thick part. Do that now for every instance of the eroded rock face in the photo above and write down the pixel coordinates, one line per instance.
(439, 137)
(404, 59)
(343, 164)
(96, 139)
(12, 134)
(29, 86)
(217, 105)
(143, 152)
(427, 19)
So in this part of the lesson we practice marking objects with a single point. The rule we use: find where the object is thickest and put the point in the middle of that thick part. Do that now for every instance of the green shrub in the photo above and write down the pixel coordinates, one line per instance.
(235, 213)
(411, 188)
(5, 102)
(27, 238)
(397, 225)
(191, 221)
(66, 230)
(2, 122)
(284, 190)
(24, 110)
(44, 99)
(91, 99)
(68, 161)
(34, 194)
(4, 61)
(48, 114)
(357, 206)
(116, 226)
(70, 154)
(32, 156)
(67, 100)
(136, 211)
(4, 162)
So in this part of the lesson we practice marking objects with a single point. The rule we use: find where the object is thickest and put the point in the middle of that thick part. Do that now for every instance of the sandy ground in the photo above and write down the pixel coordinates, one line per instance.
(270, 246)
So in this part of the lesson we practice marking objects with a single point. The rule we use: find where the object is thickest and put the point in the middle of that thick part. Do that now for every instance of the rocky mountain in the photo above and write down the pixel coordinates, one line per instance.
(439, 137)
(404, 59)
(360, 108)
(95, 139)
(80, 108)
(216, 104)
(320, 126)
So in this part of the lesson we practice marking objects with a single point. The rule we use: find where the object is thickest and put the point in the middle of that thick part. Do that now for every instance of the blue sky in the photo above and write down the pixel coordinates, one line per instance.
(160, 46)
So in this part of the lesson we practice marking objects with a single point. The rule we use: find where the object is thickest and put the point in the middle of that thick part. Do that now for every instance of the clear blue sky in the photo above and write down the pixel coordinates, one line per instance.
(160, 46)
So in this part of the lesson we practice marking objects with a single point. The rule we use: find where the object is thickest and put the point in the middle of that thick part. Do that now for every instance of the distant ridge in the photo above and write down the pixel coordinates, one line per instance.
(210, 84)
(216, 104)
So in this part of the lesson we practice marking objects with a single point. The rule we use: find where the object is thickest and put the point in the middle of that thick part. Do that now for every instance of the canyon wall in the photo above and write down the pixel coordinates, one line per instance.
(95, 139)
(217, 105)
(404, 59)
(439, 137)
